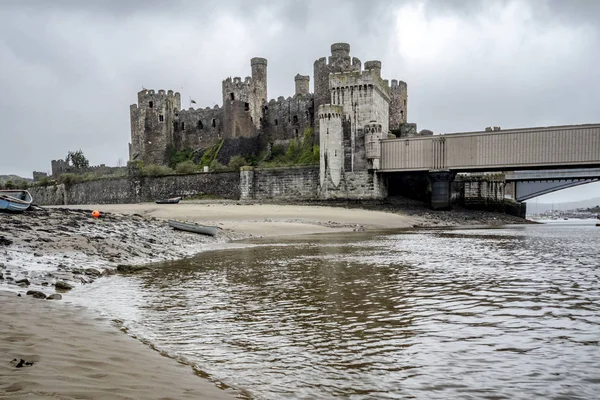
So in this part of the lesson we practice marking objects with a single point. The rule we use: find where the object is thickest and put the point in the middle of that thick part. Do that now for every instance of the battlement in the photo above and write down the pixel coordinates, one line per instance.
(299, 77)
(329, 111)
(396, 84)
(359, 80)
(149, 97)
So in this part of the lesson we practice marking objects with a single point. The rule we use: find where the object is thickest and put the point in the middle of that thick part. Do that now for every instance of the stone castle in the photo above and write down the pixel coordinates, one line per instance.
(351, 109)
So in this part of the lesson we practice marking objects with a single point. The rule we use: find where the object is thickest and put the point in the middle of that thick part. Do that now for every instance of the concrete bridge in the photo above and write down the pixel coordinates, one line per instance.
(442, 156)
(530, 184)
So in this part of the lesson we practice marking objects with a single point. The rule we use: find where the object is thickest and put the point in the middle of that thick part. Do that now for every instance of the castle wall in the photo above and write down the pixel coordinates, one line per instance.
(197, 128)
(286, 119)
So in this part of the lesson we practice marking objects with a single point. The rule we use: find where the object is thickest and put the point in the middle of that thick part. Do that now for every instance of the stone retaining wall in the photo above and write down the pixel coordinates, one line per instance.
(225, 185)
(295, 183)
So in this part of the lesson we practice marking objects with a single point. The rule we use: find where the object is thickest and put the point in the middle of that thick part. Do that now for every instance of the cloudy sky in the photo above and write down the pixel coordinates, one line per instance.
(70, 69)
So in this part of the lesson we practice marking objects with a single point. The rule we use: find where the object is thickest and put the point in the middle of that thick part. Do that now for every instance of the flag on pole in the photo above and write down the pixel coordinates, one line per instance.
(193, 101)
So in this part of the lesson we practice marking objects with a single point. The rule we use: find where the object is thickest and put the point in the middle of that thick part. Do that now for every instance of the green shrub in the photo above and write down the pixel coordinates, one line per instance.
(301, 152)
(211, 154)
(176, 157)
(237, 162)
(216, 166)
(156, 170)
(186, 167)
(69, 178)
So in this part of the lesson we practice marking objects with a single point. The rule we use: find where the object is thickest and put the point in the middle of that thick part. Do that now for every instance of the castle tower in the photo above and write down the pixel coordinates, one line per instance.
(302, 84)
(331, 143)
(152, 120)
(339, 61)
(398, 104)
(259, 88)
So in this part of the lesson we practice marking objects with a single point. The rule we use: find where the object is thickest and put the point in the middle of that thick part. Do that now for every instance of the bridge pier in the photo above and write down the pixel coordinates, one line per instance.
(441, 189)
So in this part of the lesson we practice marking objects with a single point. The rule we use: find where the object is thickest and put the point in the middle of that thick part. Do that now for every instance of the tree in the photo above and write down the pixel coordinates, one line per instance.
(77, 160)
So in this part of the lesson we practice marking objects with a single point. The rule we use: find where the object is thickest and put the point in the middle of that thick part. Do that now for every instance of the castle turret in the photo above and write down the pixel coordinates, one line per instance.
(398, 104)
(259, 89)
(373, 135)
(331, 144)
(302, 84)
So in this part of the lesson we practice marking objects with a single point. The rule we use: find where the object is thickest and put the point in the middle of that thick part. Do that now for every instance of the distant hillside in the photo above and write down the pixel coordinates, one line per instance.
(13, 178)
(537, 208)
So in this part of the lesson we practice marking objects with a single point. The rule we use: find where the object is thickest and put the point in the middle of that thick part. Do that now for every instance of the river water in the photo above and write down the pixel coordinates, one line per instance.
(509, 313)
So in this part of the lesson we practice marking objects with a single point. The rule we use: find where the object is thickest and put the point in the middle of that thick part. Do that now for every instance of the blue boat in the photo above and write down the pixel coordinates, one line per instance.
(15, 200)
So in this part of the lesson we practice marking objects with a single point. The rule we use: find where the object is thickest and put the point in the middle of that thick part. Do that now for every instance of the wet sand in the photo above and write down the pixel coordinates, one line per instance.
(77, 356)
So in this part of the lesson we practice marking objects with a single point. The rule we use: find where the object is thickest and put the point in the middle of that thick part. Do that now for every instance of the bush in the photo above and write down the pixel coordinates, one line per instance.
(69, 178)
(301, 152)
(216, 166)
(156, 170)
(186, 167)
(177, 157)
(237, 162)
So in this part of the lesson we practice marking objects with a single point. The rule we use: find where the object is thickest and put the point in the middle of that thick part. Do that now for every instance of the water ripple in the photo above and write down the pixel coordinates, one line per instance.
(469, 314)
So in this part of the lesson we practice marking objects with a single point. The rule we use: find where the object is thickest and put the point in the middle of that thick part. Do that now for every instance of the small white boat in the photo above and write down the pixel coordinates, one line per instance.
(15, 200)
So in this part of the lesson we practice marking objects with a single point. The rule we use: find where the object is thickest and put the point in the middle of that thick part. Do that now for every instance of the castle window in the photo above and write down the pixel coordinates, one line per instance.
(246, 107)
(151, 104)
(328, 131)
(295, 119)
(276, 122)
(335, 153)
(175, 126)
(404, 102)
(200, 126)
(161, 118)
(296, 131)
(401, 114)
(260, 120)
(183, 126)
(214, 123)
(231, 96)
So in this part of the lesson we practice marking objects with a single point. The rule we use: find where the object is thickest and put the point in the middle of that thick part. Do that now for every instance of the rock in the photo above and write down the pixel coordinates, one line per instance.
(130, 269)
(92, 272)
(45, 283)
(22, 281)
(37, 254)
(54, 296)
(1, 276)
(4, 241)
(77, 271)
(36, 293)
(60, 285)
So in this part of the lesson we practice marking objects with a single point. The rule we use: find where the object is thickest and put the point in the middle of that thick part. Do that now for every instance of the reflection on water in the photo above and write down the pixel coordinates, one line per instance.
(491, 314)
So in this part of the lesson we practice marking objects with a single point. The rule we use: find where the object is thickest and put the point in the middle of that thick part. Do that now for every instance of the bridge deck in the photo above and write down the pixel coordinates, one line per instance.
(514, 149)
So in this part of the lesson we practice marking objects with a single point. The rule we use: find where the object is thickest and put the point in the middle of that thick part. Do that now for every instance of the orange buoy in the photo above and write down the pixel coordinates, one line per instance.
(96, 214)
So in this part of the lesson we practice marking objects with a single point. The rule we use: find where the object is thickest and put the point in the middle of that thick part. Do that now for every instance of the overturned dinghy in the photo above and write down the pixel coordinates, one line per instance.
(172, 200)
(195, 228)
(15, 200)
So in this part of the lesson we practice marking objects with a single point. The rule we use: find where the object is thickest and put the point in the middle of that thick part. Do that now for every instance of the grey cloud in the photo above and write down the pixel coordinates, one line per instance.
(71, 68)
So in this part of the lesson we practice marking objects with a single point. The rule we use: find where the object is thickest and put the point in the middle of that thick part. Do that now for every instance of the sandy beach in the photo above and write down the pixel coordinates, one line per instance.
(48, 252)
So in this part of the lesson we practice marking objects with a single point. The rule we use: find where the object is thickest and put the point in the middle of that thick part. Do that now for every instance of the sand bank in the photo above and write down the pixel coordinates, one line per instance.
(77, 356)
(266, 219)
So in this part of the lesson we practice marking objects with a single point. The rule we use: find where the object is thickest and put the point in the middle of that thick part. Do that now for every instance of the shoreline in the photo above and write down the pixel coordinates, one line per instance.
(55, 249)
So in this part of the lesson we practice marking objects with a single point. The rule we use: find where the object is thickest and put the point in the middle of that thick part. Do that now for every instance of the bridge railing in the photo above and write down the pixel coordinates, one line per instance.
(498, 150)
